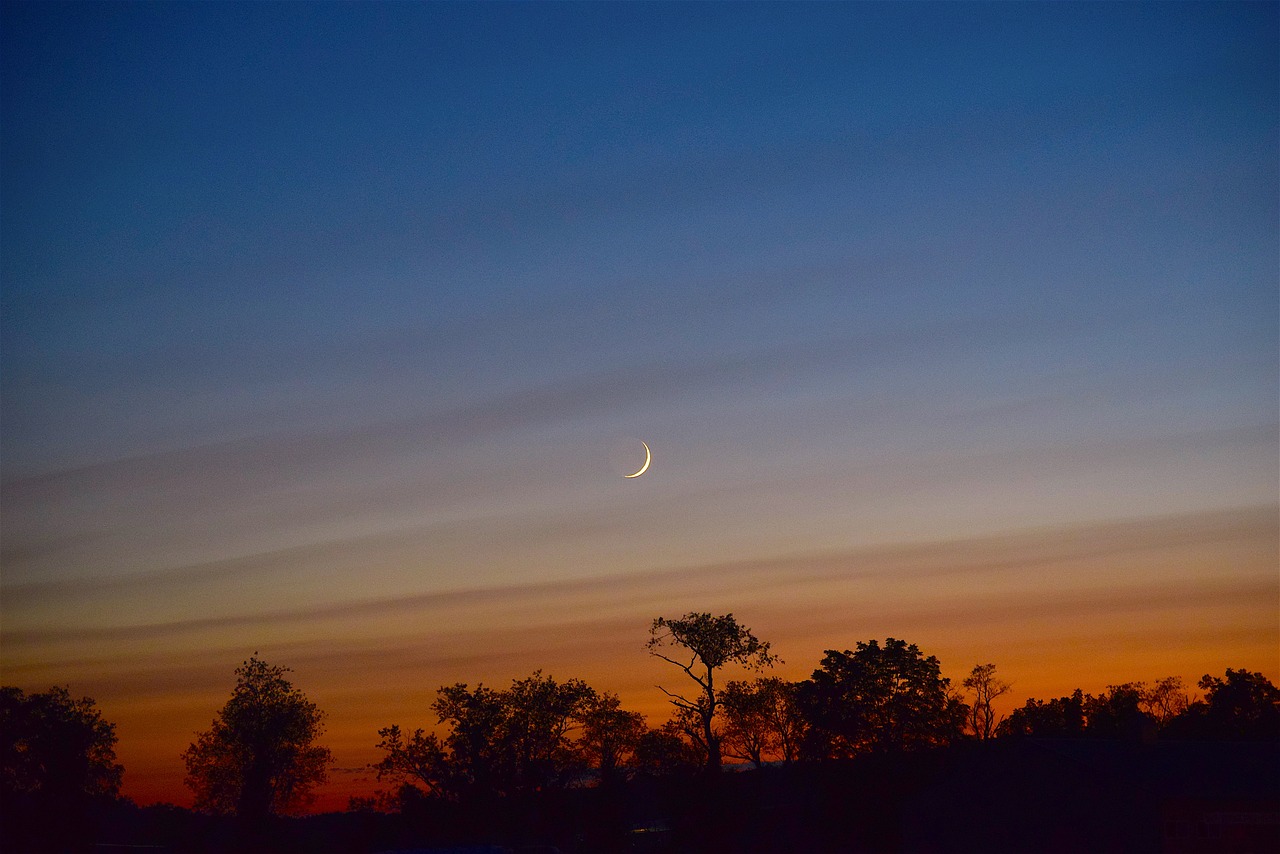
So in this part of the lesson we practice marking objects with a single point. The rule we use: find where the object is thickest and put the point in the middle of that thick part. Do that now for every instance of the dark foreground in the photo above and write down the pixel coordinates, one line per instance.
(1015, 795)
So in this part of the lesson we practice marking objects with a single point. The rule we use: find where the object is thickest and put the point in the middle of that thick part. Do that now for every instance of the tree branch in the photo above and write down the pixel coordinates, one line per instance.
(678, 700)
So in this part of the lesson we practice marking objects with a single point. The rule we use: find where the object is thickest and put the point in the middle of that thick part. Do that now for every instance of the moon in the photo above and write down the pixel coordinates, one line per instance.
(648, 458)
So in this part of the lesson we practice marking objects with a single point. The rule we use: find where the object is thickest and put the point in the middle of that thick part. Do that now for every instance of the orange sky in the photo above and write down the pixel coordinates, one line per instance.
(1054, 608)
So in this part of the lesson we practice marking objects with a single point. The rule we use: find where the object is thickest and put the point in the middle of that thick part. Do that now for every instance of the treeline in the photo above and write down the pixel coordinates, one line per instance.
(494, 752)
(876, 699)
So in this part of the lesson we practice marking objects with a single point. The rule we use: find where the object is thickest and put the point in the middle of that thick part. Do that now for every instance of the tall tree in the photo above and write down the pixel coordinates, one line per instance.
(986, 688)
(260, 756)
(879, 699)
(700, 645)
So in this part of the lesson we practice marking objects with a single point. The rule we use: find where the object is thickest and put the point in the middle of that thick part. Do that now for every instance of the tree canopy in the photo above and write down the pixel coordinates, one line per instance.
(878, 699)
(507, 742)
(259, 757)
(1063, 717)
(762, 720)
(52, 745)
(1240, 706)
(57, 759)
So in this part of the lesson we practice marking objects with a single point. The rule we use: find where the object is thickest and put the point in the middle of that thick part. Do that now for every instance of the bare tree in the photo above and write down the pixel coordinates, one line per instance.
(1165, 700)
(986, 688)
(702, 644)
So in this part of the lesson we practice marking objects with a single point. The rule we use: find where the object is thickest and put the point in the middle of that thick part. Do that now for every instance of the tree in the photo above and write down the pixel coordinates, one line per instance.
(56, 747)
(259, 757)
(418, 759)
(1121, 711)
(879, 699)
(762, 720)
(57, 757)
(1165, 700)
(1117, 712)
(708, 644)
(668, 750)
(986, 688)
(499, 742)
(746, 734)
(1242, 706)
(1060, 718)
(610, 736)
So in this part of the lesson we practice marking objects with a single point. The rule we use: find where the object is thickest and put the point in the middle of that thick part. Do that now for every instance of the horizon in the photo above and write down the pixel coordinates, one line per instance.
(334, 333)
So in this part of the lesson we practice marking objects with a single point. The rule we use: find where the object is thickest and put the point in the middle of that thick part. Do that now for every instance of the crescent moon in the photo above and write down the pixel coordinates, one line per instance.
(648, 458)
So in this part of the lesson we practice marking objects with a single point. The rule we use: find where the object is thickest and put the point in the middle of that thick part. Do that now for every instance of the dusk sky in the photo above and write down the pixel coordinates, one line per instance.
(328, 331)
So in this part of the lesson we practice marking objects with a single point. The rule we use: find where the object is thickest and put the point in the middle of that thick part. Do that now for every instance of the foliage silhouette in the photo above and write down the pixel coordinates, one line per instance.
(708, 644)
(57, 761)
(1241, 706)
(762, 721)
(259, 757)
(879, 699)
(667, 751)
(503, 743)
(610, 737)
(54, 746)
(515, 768)
(1060, 718)
(1117, 712)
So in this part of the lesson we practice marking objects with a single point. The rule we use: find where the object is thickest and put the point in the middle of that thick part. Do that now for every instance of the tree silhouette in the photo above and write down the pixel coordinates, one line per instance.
(417, 759)
(762, 720)
(879, 699)
(708, 644)
(986, 687)
(746, 734)
(1165, 700)
(668, 750)
(610, 736)
(259, 757)
(1242, 706)
(499, 743)
(1060, 718)
(1121, 711)
(1117, 712)
(57, 757)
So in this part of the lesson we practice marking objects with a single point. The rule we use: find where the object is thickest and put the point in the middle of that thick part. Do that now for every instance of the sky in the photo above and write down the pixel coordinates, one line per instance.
(327, 332)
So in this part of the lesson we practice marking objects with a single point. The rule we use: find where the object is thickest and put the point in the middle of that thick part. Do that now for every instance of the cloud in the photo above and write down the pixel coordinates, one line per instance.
(950, 561)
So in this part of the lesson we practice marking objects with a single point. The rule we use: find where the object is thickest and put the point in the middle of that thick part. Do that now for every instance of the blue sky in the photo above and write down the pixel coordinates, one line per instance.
(203, 200)
(313, 306)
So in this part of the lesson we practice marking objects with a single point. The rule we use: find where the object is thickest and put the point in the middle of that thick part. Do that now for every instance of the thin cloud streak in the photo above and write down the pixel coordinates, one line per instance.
(966, 558)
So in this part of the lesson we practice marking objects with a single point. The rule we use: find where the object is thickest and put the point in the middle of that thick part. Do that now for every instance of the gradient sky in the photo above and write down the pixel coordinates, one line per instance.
(327, 331)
